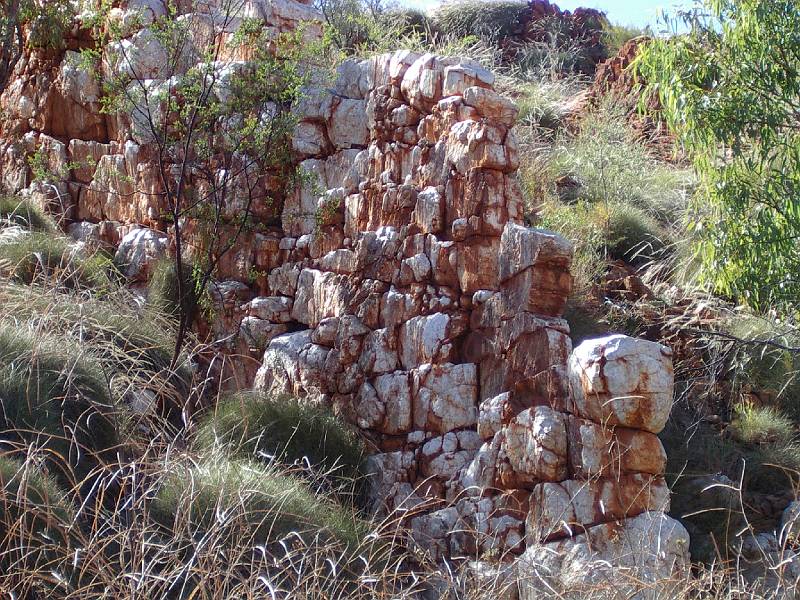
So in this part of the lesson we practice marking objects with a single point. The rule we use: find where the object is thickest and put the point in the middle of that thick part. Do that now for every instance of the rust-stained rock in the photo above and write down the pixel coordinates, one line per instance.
(566, 508)
(534, 448)
(445, 397)
(639, 557)
(597, 451)
(396, 282)
(619, 380)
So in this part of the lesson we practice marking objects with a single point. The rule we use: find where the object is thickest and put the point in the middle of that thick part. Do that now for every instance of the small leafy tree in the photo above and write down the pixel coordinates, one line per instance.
(218, 117)
(45, 21)
(731, 91)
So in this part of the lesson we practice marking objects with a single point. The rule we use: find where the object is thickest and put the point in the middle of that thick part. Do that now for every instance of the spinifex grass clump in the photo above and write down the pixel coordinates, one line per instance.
(290, 431)
(55, 397)
(133, 345)
(22, 213)
(220, 495)
(163, 293)
(53, 259)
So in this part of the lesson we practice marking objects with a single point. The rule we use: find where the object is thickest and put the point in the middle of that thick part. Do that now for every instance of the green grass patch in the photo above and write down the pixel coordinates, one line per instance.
(493, 21)
(226, 495)
(15, 211)
(757, 425)
(610, 165)
(163, 290)
(134, 346)
(55, 397)
(26, 493)
(290, 431)
(54, 259)
(616, 35)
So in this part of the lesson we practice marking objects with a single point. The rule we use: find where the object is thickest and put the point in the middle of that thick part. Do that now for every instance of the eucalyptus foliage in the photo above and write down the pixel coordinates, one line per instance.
(730, 89)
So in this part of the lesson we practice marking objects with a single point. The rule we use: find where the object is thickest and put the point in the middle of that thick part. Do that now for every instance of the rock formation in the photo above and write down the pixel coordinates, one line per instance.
(403, 289)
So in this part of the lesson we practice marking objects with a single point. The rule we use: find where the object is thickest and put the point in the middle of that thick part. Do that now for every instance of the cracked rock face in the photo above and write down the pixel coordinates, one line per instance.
(401, 286)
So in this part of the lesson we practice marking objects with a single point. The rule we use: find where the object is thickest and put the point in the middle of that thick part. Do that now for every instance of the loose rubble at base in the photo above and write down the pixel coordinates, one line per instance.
(410, 296)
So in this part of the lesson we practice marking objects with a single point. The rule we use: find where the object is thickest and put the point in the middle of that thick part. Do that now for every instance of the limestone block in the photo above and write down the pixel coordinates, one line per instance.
(393, 393)
(299, 216)
(468, 74)
(597, 451)
(84, 156)
(257, 333)
(349, 336)
(618, 380)
(277, 309)
(535, 448)
(138, 251)
(429, 211)
(293, 364)
(308, 139)
(642, 557)
(319, 296)
(444, 456)
(430, 532)
(492, 415)
(481, 145)
(389, 476)
(378, 354)
(422, 82)
(480, 474)
(283, 279)
(423, 339)
(491, 105)
(348, 124)
(477, 264)
(140, 57)
(566, 508)
(445, 397)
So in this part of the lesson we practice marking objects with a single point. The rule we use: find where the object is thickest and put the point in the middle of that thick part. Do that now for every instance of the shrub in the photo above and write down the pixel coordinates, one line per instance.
(554, 59)
(758, 364)
(409, 21)
(585, 322)
(55, 397)
(633, 235)
(585, 227)
(23, 213)
(163, 289)
(217, 492)
(26, 493)
(491, 21)
(611, 165)
(53, 259)
(288, 430)
(35, 522)
(756, 425)
(615, 36)
(729, 93)
(541, 104)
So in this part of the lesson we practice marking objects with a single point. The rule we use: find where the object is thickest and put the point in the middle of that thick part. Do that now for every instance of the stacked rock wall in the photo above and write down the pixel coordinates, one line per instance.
(428, 314)
(401, 287)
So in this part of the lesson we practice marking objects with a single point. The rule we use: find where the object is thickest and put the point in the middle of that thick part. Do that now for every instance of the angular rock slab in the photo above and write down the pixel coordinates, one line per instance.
(642, 558)
(534, 448)
(564, 509)
(597, 451)
(619, 380)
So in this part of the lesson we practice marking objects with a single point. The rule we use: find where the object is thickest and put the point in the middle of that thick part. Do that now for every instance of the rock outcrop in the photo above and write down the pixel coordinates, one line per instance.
(402, 288)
